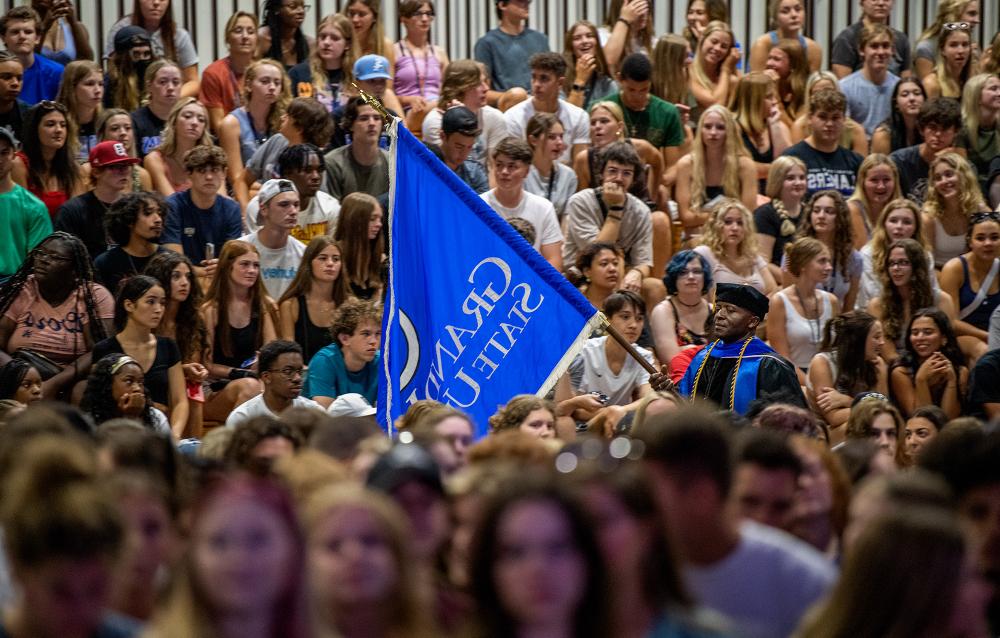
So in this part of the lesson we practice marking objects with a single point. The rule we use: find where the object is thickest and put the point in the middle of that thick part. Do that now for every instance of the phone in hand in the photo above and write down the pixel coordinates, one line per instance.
(209, 251)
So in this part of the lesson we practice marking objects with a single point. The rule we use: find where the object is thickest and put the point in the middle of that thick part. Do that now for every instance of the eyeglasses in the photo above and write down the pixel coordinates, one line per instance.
(691, 272)
(957, 26)
(611, 171)
(289, 372)
(899, 263)
(423, 14)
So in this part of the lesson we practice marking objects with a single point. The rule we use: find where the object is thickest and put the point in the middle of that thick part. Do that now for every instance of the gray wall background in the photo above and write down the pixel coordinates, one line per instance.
(460, 22)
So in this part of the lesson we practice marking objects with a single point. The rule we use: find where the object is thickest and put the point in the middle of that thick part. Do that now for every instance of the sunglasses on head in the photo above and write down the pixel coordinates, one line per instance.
(957, 26)
(49, 105)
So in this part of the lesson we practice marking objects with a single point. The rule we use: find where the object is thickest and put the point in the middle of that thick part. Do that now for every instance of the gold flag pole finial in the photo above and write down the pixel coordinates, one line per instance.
(375, 103)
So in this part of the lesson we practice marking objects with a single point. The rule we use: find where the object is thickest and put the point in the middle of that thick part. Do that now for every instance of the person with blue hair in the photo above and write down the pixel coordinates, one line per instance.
(678, 322)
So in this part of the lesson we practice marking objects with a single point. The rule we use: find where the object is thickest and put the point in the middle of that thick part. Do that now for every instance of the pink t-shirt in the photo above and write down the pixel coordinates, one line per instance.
(55, 332)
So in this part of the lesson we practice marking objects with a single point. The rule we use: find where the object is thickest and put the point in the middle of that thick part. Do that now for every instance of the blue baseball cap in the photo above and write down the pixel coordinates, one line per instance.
(372, 67)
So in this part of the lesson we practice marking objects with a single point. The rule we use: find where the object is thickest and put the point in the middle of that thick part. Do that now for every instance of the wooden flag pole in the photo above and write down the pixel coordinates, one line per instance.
(629, 348)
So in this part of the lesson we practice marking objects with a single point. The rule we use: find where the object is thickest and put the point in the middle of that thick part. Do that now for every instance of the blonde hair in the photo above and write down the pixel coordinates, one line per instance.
(748, 101)
(778, 172)
(168, 143)
(317, 70)
(801, 251)
(670, 72)
(699, 72)
(713, 237)
(970, 197)
(284, 96)
(874, 161)
(947, 11)
(951, 86)
(734, 150)
(798, 73)
(880, 240)
(376, 33)
(972, 94)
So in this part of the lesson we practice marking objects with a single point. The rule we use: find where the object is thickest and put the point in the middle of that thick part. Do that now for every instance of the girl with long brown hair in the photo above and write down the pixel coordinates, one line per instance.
(307, 306)
(362, 242)
(239, 318)
(168, 39)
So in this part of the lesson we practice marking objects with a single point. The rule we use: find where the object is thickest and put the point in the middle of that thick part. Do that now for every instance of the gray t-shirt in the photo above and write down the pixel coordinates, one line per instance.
(589, 372)
(742, 585)
(585, 216)
(993, 341)
(186, 53)
(845, 49)
(926, 49)
(557, 190)
(264, 162)
(344, 175)
(869, 103)
(506, 57)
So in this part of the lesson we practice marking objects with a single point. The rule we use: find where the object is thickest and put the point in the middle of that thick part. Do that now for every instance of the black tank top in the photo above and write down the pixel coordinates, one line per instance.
(244, 342)
(311, 337)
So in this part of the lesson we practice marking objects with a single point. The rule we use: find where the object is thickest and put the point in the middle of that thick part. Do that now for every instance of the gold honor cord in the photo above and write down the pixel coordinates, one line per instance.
(736, 372)
(375, 103)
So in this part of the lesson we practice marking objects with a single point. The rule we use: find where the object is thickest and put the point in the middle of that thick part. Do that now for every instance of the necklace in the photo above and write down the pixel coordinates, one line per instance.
(696, 304)
(421, 77)
(815, 329)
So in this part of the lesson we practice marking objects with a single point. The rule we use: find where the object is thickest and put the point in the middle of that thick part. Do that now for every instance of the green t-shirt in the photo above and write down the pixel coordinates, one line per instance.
(981, 151)
(24, 222)
(659, 124)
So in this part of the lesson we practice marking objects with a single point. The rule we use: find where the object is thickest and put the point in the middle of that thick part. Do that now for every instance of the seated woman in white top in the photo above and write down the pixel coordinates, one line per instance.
(953, 195)
(730, 247)
(849, 362)
(799, 312)
(828, 220)
(906, 287)
(900, 219)
(604, 368)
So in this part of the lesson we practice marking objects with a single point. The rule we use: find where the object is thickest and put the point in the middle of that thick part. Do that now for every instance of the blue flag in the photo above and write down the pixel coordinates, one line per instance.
(474, 315)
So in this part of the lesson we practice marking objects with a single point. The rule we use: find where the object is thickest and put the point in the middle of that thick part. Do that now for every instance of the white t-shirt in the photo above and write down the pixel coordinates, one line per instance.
(490, 120)
(576, 124)
(589, 372)
(536, 210)
(256, 407)
(277, 265)
(766, 584)
(321, 214)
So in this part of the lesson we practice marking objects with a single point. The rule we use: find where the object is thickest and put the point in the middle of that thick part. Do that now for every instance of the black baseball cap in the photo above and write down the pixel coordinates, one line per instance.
(130, 36)
(459, 119)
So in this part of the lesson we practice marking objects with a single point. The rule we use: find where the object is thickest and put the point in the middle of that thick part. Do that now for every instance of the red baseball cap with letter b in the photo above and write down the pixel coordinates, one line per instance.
(110, 153)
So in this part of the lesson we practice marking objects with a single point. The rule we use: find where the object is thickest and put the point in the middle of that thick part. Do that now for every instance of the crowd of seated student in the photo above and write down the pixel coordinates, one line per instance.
(193, 265)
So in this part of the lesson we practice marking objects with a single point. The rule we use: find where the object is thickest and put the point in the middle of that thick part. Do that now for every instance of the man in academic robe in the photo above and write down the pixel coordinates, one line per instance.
(739, 369)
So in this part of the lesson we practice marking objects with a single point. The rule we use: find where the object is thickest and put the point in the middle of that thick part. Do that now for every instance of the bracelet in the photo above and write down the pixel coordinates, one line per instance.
(616, 208)
(579, 87)
(627, 23)
(239, 373)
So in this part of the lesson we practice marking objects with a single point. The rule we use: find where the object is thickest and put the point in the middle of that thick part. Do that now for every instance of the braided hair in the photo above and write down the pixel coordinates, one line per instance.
(273, 22)
(84, 280)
